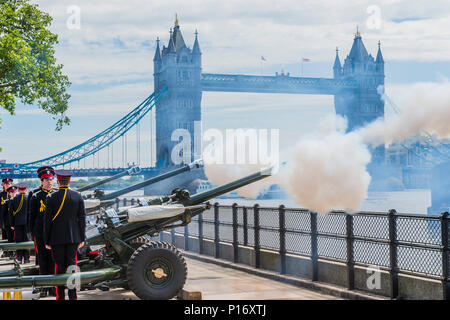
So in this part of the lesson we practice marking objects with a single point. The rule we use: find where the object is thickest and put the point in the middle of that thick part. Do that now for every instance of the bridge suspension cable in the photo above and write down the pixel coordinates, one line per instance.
(101, 140)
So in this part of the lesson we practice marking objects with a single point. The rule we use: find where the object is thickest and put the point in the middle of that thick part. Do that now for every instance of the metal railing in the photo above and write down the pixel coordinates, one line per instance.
(398, 243)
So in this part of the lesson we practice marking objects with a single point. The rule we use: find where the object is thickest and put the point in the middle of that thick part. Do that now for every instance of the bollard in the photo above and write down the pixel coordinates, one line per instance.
(6, 295)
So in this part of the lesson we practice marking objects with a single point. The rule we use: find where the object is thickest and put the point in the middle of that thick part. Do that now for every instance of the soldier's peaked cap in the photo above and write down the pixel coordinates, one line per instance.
(45, 172)
(64, 175)
(22, 186)
(7, 180)
(12, 189)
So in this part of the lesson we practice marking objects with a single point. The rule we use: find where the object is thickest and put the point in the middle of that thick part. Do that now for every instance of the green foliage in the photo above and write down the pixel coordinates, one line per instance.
(28, 69)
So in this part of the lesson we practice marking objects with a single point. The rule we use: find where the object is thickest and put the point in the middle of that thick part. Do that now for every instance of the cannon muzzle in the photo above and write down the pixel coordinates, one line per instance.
(217, 191)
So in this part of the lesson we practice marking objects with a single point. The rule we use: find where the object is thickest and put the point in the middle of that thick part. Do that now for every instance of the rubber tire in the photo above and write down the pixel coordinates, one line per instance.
(139, 241)
(138, 261)
(136, 243)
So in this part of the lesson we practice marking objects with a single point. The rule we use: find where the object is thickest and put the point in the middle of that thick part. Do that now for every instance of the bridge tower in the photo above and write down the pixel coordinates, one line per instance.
(365, 104)
(179, 68)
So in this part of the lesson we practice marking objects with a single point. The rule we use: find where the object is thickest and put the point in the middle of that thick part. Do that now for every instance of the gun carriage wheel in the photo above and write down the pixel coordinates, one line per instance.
(139, 241)
(156, 270)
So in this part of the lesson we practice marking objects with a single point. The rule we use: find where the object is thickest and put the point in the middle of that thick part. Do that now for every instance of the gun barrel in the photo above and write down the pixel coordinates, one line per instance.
(12, 246)
(215, 192)
(140, 185)
(59, 280)
(130, 171)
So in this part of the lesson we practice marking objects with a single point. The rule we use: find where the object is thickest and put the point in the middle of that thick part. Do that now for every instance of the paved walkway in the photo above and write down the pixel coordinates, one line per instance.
(215, 283)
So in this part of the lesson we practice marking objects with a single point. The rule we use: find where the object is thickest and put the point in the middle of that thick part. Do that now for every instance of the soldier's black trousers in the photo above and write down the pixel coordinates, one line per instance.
(4, 234)
(10, 234)
(64, 255)
(20, 235)
(43, 257)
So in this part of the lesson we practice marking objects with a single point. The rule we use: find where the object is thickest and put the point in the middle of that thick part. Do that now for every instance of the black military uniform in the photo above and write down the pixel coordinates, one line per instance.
(4, 195)
(19, 220)
(43, 172)
(8, 212)
(64, 228)
(30, 196)
(37, 214)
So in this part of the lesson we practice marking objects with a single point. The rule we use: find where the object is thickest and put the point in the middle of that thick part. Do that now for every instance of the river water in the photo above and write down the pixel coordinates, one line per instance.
(414, 201)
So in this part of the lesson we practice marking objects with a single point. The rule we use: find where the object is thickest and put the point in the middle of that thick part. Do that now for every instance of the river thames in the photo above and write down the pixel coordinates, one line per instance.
(415, 201)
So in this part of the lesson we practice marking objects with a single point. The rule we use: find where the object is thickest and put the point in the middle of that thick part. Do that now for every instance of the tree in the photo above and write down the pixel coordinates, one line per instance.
(28, 68)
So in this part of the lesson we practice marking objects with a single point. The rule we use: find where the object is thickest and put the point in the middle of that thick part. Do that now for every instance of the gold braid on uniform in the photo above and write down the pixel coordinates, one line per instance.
(7, 196)
(42, 208)
(62, 203)
(20, 206)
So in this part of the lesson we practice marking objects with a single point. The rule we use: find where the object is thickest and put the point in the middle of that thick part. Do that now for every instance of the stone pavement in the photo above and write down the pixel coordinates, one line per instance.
(215, 283)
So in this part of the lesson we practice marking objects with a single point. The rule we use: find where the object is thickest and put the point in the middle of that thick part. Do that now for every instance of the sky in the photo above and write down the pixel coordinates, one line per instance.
(109, 60)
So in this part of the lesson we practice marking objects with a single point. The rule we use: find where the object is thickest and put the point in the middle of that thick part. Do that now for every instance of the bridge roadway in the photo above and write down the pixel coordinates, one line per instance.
(79, 173)
(275, 84)
(215, 283)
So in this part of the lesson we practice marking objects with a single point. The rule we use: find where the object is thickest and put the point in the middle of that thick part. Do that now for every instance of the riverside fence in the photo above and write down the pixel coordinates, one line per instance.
(400, 244)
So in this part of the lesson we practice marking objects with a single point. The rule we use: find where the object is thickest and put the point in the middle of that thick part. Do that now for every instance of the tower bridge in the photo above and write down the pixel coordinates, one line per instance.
(176, 102)
(356, 87)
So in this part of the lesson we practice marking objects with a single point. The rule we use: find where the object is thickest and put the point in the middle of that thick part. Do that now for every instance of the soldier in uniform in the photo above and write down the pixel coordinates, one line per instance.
(64, 227)
(30, 194)
(6, 216)
(4, 195)
(37, 215)
(18, 219)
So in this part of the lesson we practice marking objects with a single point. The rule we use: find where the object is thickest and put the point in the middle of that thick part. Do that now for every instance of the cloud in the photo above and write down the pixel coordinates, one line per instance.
(117, 39)
(110, 59)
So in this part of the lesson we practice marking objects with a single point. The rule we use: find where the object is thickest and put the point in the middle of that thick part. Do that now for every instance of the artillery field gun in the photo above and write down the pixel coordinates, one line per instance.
(125, 256)
(99, 199)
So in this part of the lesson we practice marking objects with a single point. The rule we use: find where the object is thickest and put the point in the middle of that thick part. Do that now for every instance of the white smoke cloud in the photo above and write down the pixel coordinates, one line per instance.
(425, 107)
(327, 170)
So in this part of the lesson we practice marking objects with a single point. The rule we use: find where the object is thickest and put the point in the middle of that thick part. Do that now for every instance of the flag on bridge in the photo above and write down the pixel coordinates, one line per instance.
(263, 59)
(306, 59)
